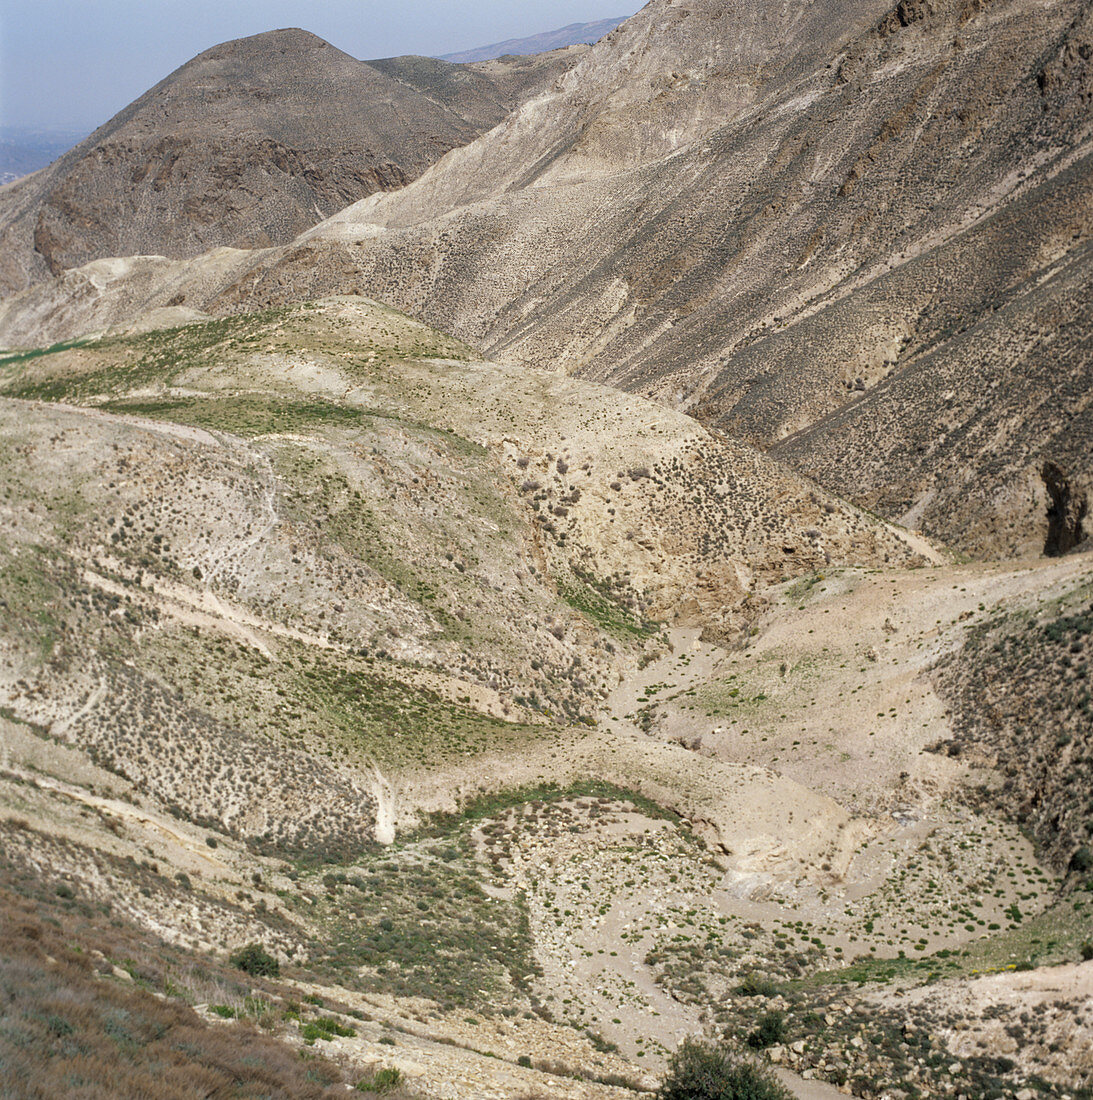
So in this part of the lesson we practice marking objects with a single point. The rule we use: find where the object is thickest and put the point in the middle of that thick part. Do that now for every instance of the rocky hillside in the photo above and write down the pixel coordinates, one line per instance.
(490, 728)
(797, 225)
(247, 145)
(1021, 692)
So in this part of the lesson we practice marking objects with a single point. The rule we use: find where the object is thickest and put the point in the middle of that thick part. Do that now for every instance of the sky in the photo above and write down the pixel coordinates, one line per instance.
(72, 64)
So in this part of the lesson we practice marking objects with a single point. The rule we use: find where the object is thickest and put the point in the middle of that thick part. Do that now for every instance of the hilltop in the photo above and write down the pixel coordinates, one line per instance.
(246, 146)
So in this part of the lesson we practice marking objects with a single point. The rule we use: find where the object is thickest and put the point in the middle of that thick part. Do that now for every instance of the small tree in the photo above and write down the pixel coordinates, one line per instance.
(709, 1071)
(254, 959)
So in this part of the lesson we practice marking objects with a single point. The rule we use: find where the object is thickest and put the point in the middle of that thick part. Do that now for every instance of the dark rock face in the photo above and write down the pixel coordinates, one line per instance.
(247, 145)
(1066, 512)
(1023, 704)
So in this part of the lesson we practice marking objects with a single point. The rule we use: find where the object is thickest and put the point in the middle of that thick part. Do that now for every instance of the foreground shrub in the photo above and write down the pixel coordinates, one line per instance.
(710, 1071)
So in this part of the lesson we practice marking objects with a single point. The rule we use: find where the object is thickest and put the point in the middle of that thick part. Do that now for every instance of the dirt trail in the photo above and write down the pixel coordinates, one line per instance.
(150, 822)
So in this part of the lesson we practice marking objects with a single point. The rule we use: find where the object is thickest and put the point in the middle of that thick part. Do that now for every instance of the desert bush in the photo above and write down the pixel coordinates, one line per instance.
(710, 1071)
(756, 985)
(254, 959)
(771, 1030)
(386, 1082)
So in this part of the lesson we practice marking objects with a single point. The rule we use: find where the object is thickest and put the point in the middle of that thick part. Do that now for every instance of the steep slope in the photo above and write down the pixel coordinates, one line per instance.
(770, 275)
(574, 34)
(245, 145)
(789, 221)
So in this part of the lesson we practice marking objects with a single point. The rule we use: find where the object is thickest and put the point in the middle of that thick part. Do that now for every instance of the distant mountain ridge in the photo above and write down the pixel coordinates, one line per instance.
(575, 34)
(245, 146)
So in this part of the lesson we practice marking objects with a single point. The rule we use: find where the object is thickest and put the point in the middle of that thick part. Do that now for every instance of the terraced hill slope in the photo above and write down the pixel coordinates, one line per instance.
(319, 492)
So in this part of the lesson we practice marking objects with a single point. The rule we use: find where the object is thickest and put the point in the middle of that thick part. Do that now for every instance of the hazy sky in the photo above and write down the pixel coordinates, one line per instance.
(74, 63)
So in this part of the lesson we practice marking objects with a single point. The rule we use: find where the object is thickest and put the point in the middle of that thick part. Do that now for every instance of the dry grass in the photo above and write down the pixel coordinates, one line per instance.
(68, 1030)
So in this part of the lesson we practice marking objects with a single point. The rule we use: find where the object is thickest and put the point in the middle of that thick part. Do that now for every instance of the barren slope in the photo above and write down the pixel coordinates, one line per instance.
(246, 145)
(806, 219)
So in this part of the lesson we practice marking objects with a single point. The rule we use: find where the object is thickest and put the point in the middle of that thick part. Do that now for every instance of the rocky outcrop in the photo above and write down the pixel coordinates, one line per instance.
(1066, 511)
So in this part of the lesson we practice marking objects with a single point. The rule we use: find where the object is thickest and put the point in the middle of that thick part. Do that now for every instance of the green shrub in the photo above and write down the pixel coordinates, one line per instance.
(383, 1080)
(756, 985)
(325, 1028)
(1087, 950)
(254, 959)
(771, 1030)
(1082, 860)
(709, 1071)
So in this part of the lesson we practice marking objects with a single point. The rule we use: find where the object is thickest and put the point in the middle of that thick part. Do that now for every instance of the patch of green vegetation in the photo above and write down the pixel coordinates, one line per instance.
(801, 588)
(1049, 938)
(491, 805)
(119, 364)
(397, 723)
(30, 596)
(326, 1028)
(249, 415)
(11, 359)
(415, 921)
(595, 598)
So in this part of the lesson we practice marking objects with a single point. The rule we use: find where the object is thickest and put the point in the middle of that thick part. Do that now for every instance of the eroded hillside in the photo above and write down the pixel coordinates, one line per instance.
(526, 724)
(522, 725)
(803, 226)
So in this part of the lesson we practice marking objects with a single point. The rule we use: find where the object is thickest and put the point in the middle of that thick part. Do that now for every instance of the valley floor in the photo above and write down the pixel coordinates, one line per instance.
(521, 756)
